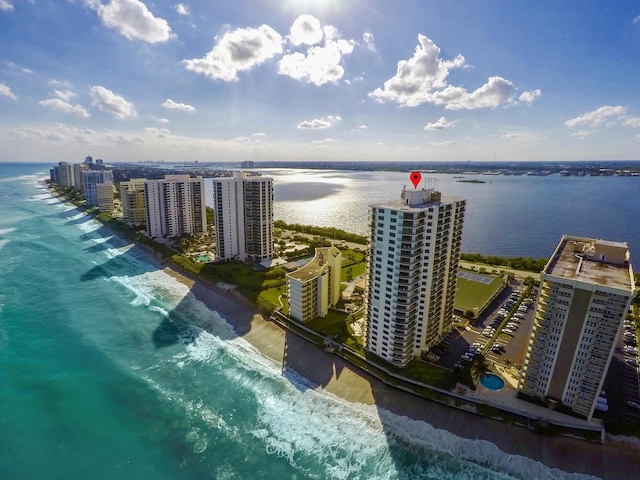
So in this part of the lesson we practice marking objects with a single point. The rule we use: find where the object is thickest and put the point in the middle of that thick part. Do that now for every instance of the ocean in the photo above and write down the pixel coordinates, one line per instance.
(110, 368)
(508, 216)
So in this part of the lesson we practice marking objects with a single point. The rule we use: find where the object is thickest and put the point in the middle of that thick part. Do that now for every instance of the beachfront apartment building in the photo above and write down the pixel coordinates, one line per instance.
(412, 272)
(134, 212)
(315, 287)
(105, 196)
(62, 174)
(243, 207)
(585, 292)
(90, 181)
(175, 206)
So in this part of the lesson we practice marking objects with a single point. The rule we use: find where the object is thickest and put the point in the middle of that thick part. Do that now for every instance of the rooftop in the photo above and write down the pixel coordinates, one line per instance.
(312, 269)
(417, 200)
(592, 260)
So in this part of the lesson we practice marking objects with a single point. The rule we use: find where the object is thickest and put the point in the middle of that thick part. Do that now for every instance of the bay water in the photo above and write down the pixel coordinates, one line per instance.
(110, 368)
(508, 216)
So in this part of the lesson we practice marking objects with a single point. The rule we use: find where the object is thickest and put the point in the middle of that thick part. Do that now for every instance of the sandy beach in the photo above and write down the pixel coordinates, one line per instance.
(333, 374)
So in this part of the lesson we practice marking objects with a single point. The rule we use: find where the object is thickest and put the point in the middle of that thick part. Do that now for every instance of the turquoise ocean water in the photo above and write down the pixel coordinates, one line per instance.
(107, 371)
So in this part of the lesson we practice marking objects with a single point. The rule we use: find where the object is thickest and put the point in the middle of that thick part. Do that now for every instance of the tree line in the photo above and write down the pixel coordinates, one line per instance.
(329, 232)
(518, 263)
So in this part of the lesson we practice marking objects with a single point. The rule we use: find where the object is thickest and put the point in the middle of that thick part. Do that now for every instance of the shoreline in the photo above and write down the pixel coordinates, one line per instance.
(333, 374)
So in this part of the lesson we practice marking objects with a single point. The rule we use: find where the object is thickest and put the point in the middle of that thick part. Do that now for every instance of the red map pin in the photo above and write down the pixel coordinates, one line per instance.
(415, 178)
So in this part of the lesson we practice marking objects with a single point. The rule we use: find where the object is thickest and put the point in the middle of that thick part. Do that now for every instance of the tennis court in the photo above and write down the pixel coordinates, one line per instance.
(475, 291)
(475, 277)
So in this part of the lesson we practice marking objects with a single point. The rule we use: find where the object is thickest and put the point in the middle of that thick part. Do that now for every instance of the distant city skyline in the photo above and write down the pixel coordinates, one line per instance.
(133, 80)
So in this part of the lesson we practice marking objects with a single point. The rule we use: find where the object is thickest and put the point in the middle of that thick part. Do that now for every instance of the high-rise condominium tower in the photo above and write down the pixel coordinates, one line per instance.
(132, 197)
(586, 289)
(175, 206)
(90, 181)
(412, 273)
(243, 206)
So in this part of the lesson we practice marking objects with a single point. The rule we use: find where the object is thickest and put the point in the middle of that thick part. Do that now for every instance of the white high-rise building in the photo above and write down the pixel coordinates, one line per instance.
(65, 175)
(243, 206)
(585, 292)
(175, 206)
(412, 273)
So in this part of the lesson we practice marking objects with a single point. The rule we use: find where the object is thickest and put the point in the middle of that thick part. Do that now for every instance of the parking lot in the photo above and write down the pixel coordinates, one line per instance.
(621, 385)
(508, 342)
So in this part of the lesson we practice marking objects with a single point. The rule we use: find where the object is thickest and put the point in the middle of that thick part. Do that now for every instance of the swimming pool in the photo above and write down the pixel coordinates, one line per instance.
(492, 382)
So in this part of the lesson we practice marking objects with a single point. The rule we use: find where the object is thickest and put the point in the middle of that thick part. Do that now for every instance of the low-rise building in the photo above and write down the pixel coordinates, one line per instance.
(314, 288)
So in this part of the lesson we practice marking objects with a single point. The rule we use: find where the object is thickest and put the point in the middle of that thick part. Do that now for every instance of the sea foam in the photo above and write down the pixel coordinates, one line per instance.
(311, 429)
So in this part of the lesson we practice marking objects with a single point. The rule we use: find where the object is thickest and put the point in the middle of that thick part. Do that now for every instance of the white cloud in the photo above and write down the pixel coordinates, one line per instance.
(417, 77)
(237, 51)
(362, 127)
(182, 9)
(529, 96)
(65, 106)
(597, 117)
(423, 79)
(5, 90)
(320, 64)
(15, 67)
(319, 123)
(65, 95)
(133, 20)
(160, 119)
(170, 104)
(5, 5)
(55, 133)
(369, 41)
(438, 125)
(59, 83)
(259, 134)
(306, 30)
(445, 143)
(315, 124)
(495, 92)
(510, 135)
(326, 141)
(631, 121)
(158, 132)
(581, 134)
(111, 102)
(241, 139)
(124, 139)
(636, 20)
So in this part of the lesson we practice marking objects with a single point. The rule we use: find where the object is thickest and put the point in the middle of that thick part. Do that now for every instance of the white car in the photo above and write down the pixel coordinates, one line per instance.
(633, 405)
(508, 331)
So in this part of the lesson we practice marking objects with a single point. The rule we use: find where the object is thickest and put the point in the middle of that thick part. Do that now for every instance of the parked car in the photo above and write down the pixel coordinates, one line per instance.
(633, 404)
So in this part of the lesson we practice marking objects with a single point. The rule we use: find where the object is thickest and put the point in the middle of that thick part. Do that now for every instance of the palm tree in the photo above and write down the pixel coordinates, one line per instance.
(479, 367)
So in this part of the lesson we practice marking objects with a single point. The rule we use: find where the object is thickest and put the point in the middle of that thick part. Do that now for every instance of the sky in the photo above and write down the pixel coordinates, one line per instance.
(356, 80)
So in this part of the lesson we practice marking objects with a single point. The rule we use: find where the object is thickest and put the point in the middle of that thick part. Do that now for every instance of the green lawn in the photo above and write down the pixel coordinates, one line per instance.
(472, 295)
(332, 324)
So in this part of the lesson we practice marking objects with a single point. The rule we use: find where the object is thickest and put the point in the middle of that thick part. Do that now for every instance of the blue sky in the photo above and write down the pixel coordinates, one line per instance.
(128, 80)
